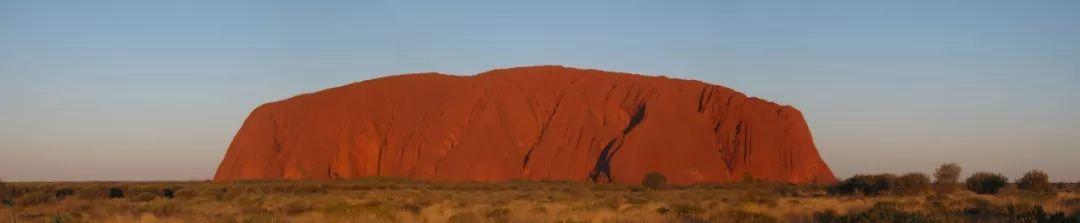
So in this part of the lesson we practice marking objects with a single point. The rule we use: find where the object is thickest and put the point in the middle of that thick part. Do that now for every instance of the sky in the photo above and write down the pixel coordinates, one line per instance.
(155, 90)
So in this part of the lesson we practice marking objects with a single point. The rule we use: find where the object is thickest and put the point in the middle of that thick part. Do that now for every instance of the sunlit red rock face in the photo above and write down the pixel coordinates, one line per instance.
(544, 122)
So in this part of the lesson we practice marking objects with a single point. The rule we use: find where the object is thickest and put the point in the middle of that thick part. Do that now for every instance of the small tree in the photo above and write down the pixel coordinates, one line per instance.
(912, 183)
(986, 183)
(946, 177)
(653, 180)
(6, 196)
(3, 190)
(947, 174)
(1034, 180)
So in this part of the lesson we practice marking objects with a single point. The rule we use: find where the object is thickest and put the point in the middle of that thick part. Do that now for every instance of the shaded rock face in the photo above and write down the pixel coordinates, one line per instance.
(538, 123)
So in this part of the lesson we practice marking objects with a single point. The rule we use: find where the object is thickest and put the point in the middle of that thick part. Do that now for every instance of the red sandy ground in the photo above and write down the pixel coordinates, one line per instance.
(543, 122)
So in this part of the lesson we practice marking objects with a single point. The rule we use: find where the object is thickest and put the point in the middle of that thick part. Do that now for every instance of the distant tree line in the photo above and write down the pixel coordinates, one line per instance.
(946, 179)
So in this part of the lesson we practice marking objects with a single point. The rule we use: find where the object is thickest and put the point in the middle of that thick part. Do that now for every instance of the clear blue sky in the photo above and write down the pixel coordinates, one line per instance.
(155, 90)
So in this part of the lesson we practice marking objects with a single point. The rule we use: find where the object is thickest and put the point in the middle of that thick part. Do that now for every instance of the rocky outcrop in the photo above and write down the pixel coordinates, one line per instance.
(543, 122)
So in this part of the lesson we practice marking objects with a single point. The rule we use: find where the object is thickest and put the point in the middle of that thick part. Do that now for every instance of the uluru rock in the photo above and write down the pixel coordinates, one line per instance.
(538, 123)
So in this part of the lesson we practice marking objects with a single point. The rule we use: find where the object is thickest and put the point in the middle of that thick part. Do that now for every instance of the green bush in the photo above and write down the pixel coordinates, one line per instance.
(912, 183)
(1034, 180)
(986, 183)
(168, 193)
(653, 180)
(116, 192)
(870, 185)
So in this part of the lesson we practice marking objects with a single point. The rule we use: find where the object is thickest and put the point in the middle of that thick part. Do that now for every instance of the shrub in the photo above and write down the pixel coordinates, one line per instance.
(870, 185)
(986, 183)
(116, 192)
(35, 198)
(1034, 180)
(947, 174)
(413, 209)
(884, 183)
(4, 193)
(912, 183)
(168, 193)
(653, 180)
(63, 192)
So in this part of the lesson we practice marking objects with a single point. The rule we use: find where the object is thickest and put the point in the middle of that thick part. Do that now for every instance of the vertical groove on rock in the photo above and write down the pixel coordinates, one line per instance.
(601, 171)
(543, 130)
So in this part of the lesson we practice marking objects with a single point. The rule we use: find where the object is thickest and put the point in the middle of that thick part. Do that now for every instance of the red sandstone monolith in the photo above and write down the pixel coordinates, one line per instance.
(538, 123)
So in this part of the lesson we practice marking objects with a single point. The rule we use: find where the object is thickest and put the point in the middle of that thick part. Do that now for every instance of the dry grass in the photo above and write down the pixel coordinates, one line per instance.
(399, 200)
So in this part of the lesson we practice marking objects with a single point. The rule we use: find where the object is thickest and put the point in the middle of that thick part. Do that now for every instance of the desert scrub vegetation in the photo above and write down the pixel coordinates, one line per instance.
(869, 185)
(1034, 180)
(653, 180)
(914, 183)
(947, 176)
(986, 183)
(402, 200)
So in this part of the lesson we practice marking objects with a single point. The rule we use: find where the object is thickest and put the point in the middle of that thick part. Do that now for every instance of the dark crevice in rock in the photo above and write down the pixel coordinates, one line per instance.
(412, 170)
(607, 97)
(702, 99)
(747, 147)
(543, 131)
(330, 172)
(601, 173)
(634, 121)
(273, 122)
(401, 153)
